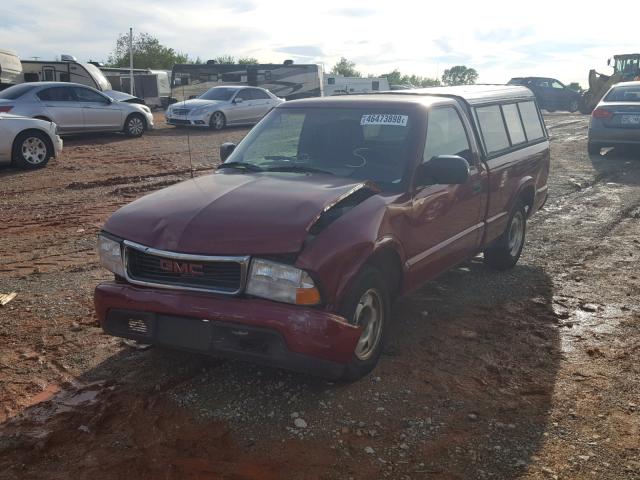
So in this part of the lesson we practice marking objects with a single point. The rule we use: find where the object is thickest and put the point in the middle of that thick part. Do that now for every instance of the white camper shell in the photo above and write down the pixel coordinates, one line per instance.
(340, 85)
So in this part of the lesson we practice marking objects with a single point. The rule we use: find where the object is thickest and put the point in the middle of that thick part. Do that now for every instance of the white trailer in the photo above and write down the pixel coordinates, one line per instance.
(10, 69)
(68, 69)
(340, 85)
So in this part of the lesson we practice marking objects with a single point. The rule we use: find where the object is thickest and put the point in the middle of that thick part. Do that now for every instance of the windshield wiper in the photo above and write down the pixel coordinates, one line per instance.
(241, 166)
(296, 168)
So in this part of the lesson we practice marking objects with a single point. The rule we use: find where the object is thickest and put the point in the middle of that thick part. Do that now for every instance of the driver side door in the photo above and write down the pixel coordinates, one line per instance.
(445, 223)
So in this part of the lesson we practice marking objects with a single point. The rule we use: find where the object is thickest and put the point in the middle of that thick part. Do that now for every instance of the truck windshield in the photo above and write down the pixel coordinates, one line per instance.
(218, 93)
(363, 144)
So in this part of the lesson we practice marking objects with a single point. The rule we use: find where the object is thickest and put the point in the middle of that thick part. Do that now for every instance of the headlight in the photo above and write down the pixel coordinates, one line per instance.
(280, 282)
(110, 252)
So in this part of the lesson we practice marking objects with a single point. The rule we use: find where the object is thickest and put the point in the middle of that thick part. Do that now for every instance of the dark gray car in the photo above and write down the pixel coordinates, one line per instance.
(616, 119)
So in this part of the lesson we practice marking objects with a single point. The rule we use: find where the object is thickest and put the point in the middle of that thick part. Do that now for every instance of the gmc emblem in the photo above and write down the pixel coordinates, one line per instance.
(181, 268)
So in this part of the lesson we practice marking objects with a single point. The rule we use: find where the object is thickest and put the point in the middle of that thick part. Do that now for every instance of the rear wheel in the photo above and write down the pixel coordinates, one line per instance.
(134, 126)
(573, 106)
(31, 150)
(506, 250)
(217, 121)
(367, 306)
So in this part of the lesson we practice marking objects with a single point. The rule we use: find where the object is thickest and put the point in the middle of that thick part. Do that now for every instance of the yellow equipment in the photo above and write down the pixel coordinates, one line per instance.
(625, 68)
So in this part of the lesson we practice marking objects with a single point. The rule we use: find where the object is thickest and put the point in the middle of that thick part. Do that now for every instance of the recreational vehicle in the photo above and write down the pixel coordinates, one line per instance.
(68, 69)
(10, 69)
(339, 85)
(150, 85)
(287, 80)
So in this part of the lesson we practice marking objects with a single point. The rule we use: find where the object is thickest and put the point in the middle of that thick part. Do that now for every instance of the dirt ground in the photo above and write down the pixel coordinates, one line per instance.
(529, 374)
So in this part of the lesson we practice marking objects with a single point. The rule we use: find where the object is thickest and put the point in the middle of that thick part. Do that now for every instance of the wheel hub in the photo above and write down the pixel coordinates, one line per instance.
(34, 151)
(368, 315)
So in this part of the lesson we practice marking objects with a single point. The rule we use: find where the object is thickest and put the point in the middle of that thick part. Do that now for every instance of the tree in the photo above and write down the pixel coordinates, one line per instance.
(459, 75)
(247, 61)
(346, 68)
(148, 52)
(225, 59)
(397, 78)
(575, 86)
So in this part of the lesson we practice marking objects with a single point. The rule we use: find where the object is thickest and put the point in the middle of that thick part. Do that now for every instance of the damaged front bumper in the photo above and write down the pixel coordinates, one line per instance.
(288, 336)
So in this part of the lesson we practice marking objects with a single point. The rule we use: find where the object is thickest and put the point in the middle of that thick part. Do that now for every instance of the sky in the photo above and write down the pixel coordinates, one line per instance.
(560, 39)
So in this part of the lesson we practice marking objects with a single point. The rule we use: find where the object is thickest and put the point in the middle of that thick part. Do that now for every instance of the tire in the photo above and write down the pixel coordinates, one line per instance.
(31, 149)
(367, 302)
(506, 250)
(134, 126)
(594, 148)
(217, 121)
(573, 106)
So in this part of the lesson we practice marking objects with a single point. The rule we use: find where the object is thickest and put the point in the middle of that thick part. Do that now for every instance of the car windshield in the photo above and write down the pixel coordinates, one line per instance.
(218, 93)
(16, 91)
(628, 93)
(363, 144)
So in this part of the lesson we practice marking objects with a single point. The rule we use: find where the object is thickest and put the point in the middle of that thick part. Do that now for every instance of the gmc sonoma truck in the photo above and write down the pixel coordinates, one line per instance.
(292, 251)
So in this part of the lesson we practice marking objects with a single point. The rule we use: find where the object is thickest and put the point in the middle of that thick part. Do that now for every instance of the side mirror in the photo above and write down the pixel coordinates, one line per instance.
(191, 97)
(237, 100)
(443, 170)
(226, 149)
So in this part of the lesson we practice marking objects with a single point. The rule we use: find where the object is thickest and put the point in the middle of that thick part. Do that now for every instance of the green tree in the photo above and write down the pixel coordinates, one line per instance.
(225, 59)
(148, 52)
(575, 86)
(397, 78)
(346, 68)
(459, 75)
(247, 61)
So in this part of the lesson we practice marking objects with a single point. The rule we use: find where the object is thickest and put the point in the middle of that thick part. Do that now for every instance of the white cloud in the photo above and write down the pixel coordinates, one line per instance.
(500, 39)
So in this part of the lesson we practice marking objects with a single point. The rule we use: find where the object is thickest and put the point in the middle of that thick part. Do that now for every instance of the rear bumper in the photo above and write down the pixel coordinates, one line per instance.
(602, 134)
(270, 333)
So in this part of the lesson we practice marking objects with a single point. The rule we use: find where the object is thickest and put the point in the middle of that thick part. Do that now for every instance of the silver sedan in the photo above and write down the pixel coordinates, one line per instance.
(616, 119)
(75, 108)
(222, 106)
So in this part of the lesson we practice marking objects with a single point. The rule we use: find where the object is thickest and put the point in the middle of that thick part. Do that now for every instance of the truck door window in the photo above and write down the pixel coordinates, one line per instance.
(446, 135)
(531, 121)
(514, 124)
(493, 129)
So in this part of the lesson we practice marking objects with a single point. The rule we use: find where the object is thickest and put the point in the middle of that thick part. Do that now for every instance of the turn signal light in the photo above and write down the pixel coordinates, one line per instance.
(307, 296)
(602, 113)
(5, 109)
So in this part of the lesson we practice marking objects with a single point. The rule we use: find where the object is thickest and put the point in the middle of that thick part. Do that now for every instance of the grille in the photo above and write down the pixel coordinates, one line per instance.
(224, 276)
(180, 111)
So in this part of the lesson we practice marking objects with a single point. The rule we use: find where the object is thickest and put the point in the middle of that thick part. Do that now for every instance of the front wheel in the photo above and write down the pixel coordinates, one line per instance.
(31, 150)
(506, 250)
(134, 126)
(367, 306)
(217, 121)
(573, 106)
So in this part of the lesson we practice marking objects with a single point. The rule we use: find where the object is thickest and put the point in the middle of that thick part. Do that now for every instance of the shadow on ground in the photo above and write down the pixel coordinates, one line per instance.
(465, 387)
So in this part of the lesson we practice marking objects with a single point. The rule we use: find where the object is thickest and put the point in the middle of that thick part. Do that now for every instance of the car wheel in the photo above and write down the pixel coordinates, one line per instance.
(367, 305)
(506, 250)
(217, 121)
(134, 126)
(31, 150)
(574, 105)
(594, 148)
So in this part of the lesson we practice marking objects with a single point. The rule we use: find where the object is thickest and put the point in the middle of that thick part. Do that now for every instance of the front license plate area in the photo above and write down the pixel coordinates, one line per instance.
(188, 333)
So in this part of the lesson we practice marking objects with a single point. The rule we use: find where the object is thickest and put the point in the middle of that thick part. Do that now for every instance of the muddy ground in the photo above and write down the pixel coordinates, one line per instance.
(529, 374)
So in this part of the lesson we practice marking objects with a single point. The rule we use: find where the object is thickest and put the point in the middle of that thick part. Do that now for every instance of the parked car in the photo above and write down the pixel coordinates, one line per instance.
(616, 119)
(27, 142)
(292, 251)
(551, 93)
(76, 108)
(222, 106)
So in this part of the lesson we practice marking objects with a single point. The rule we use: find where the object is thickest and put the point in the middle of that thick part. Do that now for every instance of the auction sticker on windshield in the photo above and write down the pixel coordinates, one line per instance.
(384, 119)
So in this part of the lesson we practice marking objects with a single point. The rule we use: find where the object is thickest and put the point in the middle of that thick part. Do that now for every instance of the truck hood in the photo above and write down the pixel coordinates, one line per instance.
(229, 213)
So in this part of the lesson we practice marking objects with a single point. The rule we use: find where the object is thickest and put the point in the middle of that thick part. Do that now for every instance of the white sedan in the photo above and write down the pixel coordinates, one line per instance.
(223, 106)
(27, 142)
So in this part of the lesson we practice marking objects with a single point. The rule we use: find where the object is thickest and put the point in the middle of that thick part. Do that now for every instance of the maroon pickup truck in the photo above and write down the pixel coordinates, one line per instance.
(292, 251)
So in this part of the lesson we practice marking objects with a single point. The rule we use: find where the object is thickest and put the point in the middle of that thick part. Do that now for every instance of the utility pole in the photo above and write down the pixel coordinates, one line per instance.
(131, 82)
